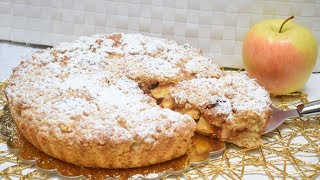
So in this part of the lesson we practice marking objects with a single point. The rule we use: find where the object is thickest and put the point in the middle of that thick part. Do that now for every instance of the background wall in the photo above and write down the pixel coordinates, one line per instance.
(215, 26)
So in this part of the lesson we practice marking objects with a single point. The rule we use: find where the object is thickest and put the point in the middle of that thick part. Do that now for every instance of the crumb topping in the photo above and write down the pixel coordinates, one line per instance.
(231, 94)
(203, 67)
(90, 87)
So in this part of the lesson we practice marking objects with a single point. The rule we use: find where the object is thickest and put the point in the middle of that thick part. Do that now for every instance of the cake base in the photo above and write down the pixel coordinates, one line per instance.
(200, 152)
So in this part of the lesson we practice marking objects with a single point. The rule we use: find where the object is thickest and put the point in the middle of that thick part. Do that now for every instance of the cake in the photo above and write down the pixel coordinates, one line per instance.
(122, 101)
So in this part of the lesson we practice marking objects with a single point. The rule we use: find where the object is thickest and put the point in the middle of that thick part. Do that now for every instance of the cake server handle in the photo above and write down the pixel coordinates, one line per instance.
(310, 108)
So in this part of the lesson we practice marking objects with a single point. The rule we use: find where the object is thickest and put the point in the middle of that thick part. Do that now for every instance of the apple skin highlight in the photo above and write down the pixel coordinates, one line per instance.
(281, 62)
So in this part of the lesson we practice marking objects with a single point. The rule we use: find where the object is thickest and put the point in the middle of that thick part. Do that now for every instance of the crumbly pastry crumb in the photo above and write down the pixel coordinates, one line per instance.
(92, 97)
(234, 104)
(229, 94)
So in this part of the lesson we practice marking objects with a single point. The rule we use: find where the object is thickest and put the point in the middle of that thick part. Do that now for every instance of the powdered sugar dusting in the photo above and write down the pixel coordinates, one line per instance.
(142, 68)
(230, 94)
(203, 67)
(89, 88)
(133, 44)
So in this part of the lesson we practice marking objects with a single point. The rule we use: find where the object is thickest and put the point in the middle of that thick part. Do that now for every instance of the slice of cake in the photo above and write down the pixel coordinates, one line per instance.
(233, 108)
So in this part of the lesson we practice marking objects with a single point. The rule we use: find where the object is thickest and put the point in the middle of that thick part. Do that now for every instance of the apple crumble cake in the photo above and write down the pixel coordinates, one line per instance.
(127, 100)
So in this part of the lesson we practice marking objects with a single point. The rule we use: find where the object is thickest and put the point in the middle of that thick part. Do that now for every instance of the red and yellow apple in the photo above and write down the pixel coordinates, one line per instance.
(280, 54)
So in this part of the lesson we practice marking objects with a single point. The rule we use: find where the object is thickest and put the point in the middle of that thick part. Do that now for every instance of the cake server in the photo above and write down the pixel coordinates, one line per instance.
(279, 116)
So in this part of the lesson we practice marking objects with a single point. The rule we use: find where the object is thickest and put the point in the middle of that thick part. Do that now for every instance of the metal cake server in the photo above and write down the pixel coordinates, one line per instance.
(279, 116)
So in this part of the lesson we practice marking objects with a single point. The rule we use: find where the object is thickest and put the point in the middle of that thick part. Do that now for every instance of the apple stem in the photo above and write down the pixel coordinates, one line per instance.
(285, 22)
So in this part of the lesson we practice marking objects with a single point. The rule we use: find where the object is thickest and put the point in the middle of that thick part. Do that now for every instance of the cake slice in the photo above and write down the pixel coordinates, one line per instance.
(233, 108)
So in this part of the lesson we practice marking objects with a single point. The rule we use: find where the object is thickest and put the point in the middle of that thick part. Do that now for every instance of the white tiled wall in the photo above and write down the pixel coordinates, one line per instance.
(216, 26)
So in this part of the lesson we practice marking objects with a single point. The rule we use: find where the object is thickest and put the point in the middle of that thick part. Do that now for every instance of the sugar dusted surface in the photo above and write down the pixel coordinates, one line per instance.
(89, 88)
(232, 93)
(203, 67)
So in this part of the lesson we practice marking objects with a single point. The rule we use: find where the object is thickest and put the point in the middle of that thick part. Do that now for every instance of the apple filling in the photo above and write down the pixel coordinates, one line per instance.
(222, 108)
(162, 94)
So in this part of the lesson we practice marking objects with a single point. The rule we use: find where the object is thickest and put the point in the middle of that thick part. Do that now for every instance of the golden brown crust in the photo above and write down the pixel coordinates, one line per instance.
(109, 155)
